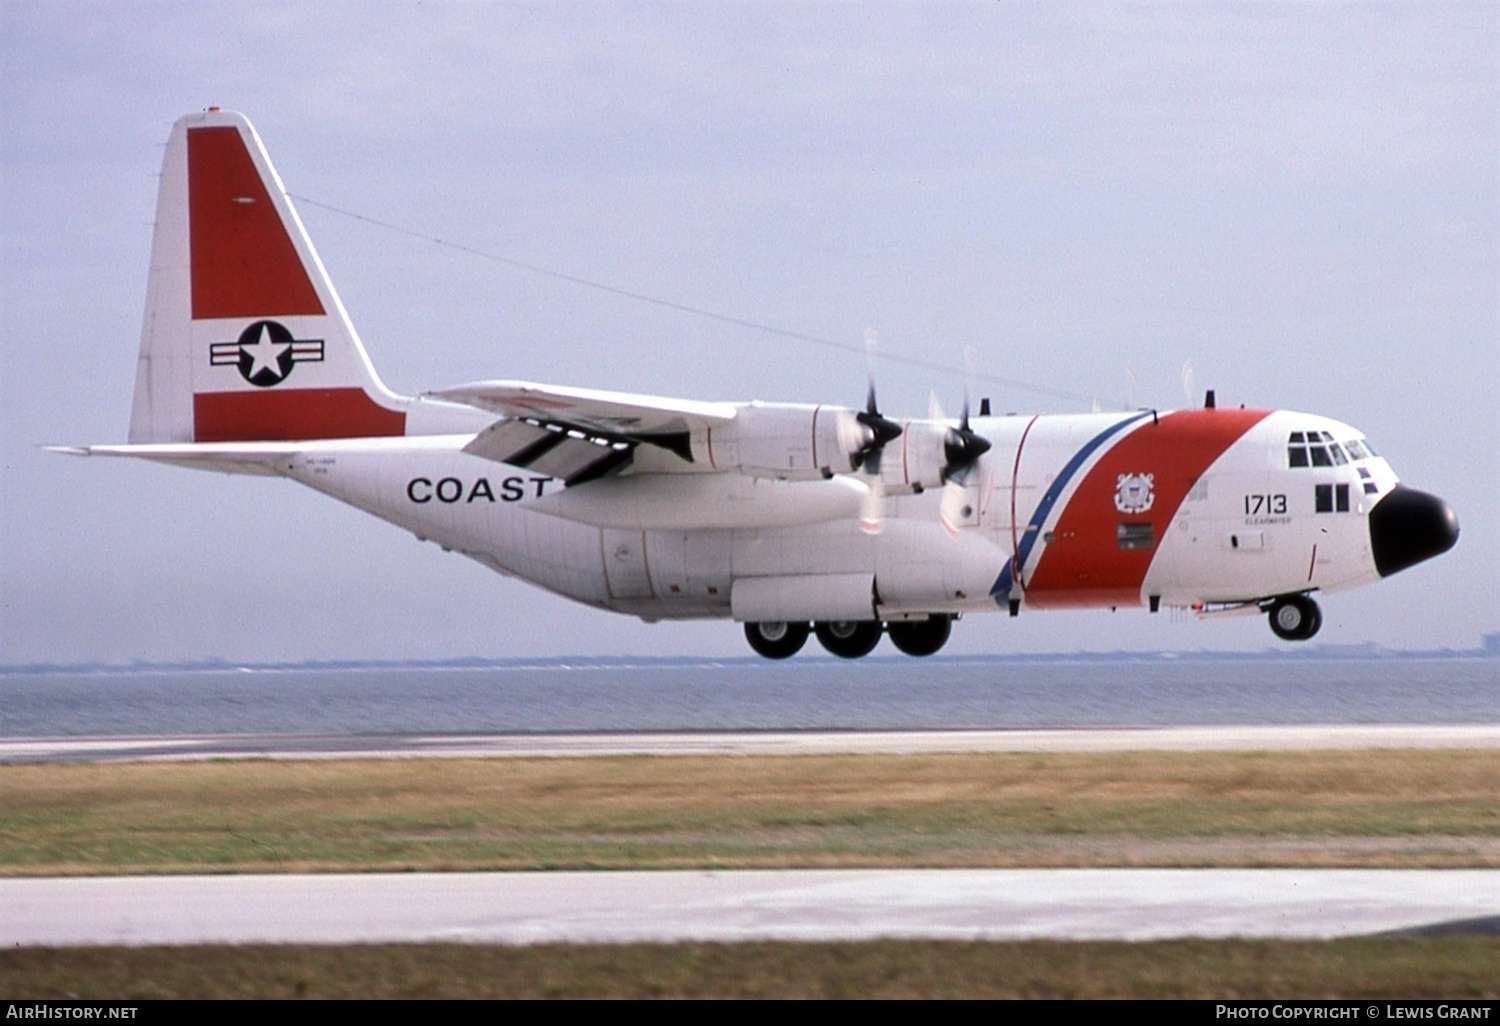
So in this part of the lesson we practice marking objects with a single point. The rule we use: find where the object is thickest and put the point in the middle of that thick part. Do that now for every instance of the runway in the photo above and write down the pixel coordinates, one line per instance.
(618, 907)
(812, 742)
(535, 908)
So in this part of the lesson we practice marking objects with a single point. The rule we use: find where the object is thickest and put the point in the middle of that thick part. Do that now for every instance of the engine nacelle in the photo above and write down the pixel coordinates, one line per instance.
(916, 461)
(789, 441)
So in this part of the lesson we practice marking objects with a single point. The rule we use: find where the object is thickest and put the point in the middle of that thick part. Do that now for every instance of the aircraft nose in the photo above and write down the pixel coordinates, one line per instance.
(1408, 526)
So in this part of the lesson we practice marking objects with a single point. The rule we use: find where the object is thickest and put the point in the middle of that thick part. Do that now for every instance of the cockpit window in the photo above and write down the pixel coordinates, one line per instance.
(1358, 449)
(1316, 449)
(1296, 450)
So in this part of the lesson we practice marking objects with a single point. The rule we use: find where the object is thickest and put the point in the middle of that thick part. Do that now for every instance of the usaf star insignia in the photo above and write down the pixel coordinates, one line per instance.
(265, 353)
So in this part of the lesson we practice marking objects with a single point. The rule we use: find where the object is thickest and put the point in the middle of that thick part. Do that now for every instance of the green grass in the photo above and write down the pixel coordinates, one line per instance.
(1372, 808)
(1363, 808)
(1366, 969)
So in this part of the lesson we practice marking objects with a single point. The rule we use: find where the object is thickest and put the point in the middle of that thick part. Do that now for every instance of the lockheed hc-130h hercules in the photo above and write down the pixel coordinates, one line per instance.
(791, 519)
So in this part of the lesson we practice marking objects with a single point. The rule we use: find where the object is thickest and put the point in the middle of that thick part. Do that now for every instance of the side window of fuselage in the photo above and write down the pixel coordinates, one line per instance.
(1328, 498)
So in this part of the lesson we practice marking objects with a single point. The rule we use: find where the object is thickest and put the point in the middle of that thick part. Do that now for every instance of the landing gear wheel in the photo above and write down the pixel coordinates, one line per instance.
(920, 637)
(776, 639)
(849, 639)
(1295, 618)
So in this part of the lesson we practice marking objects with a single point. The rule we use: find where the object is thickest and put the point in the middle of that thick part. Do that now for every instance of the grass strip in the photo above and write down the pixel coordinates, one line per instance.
(1396, 808)
(1462, 967)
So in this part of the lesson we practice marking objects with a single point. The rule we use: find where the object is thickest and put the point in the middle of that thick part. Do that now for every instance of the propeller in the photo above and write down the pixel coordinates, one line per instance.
(879, 431)
(962, 448)
(1188, 379)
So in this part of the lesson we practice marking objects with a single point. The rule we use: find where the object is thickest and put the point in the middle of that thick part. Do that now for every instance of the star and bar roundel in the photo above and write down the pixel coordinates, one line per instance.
(266, 353)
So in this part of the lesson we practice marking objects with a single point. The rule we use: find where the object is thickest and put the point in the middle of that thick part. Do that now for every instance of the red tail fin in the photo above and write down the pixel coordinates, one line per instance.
(245, 338)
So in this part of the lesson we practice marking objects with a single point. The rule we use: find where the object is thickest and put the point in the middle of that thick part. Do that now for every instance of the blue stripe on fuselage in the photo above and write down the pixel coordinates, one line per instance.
(1001, 588)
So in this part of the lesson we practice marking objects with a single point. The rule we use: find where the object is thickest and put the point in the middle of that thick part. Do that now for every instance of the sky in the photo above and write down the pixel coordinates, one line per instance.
(1298, 202)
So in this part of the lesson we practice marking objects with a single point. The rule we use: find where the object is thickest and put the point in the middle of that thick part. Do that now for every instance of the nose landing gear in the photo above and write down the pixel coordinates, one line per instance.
(1295, 617)
(920, 637)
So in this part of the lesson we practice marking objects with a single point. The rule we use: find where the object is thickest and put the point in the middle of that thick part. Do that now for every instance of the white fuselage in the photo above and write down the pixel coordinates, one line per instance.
(1201, 519)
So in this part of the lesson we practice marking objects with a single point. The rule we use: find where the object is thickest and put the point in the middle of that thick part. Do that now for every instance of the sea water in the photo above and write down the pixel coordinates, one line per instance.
(807, 693)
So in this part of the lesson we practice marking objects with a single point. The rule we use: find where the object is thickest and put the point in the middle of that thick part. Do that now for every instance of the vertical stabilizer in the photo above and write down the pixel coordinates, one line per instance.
(244, 337)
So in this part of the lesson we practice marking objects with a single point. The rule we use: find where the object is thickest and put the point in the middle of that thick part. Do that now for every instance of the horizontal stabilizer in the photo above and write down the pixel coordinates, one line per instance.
(265, 458)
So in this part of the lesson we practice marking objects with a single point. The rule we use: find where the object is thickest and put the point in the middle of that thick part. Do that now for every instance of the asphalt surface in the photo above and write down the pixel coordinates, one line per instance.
(1114, 739)
(532, 908)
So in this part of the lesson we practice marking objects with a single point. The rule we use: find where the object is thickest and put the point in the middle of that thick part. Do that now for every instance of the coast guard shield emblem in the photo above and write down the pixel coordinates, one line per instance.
(1133, 493)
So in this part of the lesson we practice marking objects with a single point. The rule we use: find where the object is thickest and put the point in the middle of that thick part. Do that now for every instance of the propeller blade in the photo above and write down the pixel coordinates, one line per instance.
(872, 508)
(870, 406)
(880, 429)
(962, 449)
(971, 365)
(962, 446)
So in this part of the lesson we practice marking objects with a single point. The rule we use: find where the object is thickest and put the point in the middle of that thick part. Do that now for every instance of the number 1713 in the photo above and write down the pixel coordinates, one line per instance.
(1257, 504)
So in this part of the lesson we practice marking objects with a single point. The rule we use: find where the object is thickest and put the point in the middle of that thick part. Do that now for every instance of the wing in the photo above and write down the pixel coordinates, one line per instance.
(605, 412)
(579, 434)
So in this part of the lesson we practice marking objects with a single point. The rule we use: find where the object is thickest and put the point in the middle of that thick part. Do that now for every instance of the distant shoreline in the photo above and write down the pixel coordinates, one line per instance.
(1326, 653)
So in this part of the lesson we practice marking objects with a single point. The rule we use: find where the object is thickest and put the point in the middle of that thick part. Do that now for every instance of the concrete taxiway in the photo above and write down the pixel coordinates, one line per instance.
(1110, 739)
(532, 908)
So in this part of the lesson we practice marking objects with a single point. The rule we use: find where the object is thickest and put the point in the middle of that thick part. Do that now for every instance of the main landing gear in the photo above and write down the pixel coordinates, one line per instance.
(849, 639)
(776, 639)
(1294, 617)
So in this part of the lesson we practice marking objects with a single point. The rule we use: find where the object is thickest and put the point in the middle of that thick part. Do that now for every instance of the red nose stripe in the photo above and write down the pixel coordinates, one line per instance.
(1084, 563)
(244, 263)
(294, 415)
